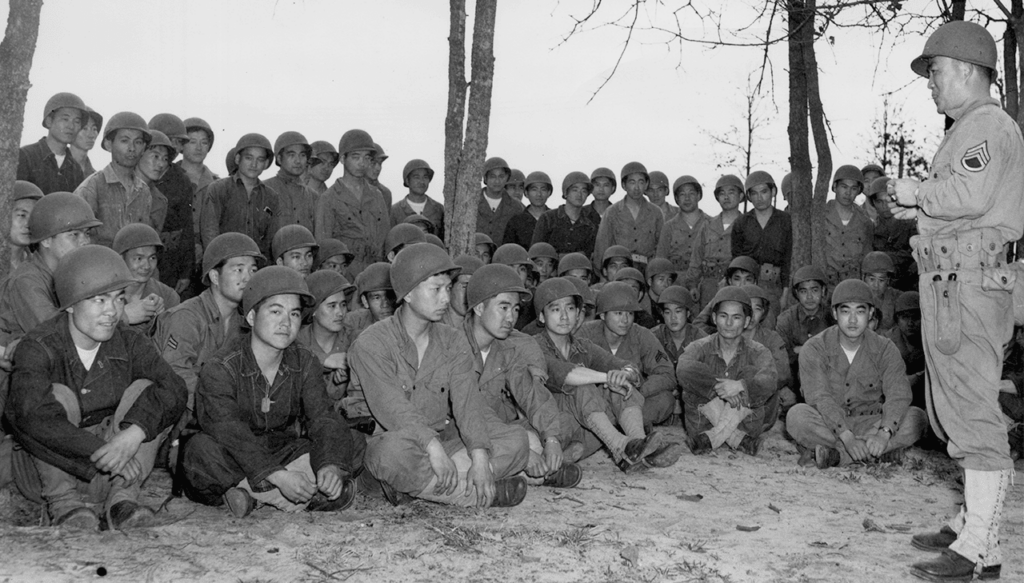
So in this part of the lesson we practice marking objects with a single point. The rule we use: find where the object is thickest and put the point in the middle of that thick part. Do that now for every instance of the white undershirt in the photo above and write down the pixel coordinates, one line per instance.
(850, 354)
(846, 221)
(418, 207)
(493, 203)
(484, 353)
(87, 356)
(60, 159)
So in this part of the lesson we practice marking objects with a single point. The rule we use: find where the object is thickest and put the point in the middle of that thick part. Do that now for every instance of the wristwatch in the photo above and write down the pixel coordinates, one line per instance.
(887, 430)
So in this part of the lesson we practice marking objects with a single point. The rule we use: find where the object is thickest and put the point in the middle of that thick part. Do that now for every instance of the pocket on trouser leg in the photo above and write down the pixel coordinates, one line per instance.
(947, 315)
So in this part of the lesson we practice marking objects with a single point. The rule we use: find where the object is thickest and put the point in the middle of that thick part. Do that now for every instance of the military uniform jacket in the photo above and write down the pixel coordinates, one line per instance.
(641, 349)
(664, 335)
(37, 164)
(228, 208)
(27, 298)
(229, 406)
(116, 205)
(772, 244)
(512, 381)
(191, 333)
(296, 204)
(875, 383)
(557, 229)
(521, 227)
(846, 245)
(493, 223)
(582, 352)
(771, 340)
(169, 296)
(199, 195)
(702, 364)
(976, 176)
(712, 252)
(48, 356)
(640, 235)
(178, 234)
(342, 342)
(433, 210)
(416, 397)
(678, 239)
(796, 326)
(361, 224)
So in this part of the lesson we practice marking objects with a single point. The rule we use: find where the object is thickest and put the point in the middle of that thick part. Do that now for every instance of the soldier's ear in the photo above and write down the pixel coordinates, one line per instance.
(362, 300)
(250, 318)
(478, 309)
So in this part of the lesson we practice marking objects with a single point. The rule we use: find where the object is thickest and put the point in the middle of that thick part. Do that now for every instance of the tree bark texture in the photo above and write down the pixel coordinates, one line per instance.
(821, 147)
(456, 117)
(1012, 104)
(16, 52)
(478, 121)
(800, 32)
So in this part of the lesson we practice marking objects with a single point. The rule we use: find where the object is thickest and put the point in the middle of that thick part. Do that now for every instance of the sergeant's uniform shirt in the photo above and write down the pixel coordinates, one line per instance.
(38, 164)
(771, 244)
(845, 245)
(189, 334)
(511, 380)
(48, 356)
(361, 224)
(641, 349)
(296, 204)
(493, 223)
(875, 383)
(433, 210)
(416, 397)
(117, 204)
(565, 235)
(228, 208)
(639, 235)
(678, 240)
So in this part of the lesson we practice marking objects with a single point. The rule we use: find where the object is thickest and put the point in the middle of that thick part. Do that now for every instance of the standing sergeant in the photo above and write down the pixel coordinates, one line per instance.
(570, 228)
(251, 395)
(495, 207)
(968, 209)
(416, 176)
(352, 210)
(766, 234)
(91, 401)
(633, 222)
(413, 371)
(242, 203)
(679, 236)
(712, 246)
(849, 233)
(858, 399)
(511, 372)
(118, 194)
(48, 163)
(296, 203)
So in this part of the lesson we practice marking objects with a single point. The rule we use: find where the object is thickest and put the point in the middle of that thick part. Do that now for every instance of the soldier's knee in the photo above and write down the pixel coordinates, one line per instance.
(390, 450)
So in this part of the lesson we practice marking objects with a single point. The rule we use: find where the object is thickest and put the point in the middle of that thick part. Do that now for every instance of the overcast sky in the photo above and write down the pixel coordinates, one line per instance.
(322, 67)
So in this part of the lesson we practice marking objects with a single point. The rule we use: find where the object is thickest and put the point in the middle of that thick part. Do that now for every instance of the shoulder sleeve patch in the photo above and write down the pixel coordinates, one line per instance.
(975, 159)
(172, 343)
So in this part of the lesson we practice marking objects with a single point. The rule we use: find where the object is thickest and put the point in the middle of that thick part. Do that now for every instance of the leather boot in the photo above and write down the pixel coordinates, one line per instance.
(952, 566)
(934, 542)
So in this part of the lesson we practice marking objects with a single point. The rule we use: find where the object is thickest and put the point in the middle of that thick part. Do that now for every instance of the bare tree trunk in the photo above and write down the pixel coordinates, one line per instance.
(800, 32)
(16, 52)
(463, 219)
(821, 147)
(1012, 91)
(456, 116)
(1017, 20)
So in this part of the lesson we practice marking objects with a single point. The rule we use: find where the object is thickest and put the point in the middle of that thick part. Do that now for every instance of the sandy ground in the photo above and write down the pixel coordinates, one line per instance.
(717, 518)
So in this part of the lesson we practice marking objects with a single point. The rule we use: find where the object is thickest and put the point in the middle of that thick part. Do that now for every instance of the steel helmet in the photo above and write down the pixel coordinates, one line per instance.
(254, 140)
(960, 40)
(748, 264)
(615, 251)
(512, 254)
(908, 301)
(125, 120)
(849, 172)
(25, 189)
(603, 172)
(495, 163)
(572, 261)
(872, 168)
(658, 178)
(576, 178)
(355, 141)
(787, 184)
(435, 241)
(413, 165)
(617, 296)
(755, 292)
(60, 100)
(554, 289)
(877, 262)
(809, 273)
(469, 264)
(135, 235)
(291, 237)
(633, 274)
(658, 266)
(403, 234)
(324, 284)
(538, 177)
(196, 123)
(272, 281)
(59, 212)
(292, 139)
(420, 221)
(687, 179)
(730, 293)
(159, 139)
(678, 295)
(321, 147)
(542, 249)
(229, 161)
(729, 180)
(878, 186)
(170, 124)
(517, 177)
(483, 239)
(331, 248)
(583, 289)
(94, 116)
(491, 280)
(224, 247)
(375, 277)
(379, 154)
(758, 177)
(415, 264)
(852, 291)
(89, 271)
(633, 168)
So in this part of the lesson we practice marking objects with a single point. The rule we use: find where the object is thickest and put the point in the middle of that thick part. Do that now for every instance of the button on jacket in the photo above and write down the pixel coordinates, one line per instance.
(117, 204)
(228, 208)
(37, 164)
(362, 224)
